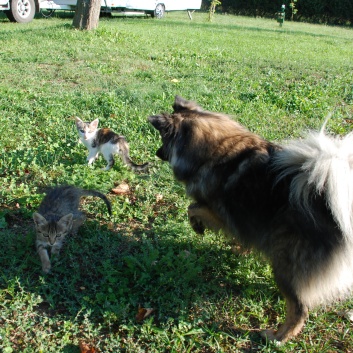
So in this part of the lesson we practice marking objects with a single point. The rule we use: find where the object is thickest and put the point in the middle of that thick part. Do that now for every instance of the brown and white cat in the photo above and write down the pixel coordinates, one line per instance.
(106, 142)
(59, 215)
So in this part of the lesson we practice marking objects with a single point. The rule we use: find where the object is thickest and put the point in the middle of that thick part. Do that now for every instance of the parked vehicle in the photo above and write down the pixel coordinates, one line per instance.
(23, 11)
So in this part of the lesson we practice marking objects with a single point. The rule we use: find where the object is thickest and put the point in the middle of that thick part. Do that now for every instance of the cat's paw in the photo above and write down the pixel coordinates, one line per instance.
(46, 268)
(55, 251)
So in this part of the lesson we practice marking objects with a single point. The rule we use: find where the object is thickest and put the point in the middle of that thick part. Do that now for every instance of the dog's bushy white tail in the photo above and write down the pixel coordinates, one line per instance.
(321, 164)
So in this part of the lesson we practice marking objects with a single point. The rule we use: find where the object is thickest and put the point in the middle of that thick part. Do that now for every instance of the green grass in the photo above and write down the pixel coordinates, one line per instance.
(279, 82)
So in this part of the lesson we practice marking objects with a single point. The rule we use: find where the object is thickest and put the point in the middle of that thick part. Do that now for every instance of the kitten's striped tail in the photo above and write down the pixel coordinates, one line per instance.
(135, 167)
(85, 192)
(124, 152)
(321, 164)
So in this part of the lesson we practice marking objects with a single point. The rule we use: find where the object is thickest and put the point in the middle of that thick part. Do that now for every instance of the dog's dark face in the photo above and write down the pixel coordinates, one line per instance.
(192, 137)
(169, 125)
(181, 137)
(164, 124)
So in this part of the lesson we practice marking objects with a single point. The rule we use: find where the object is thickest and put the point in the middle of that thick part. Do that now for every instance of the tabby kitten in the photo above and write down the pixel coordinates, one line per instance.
(57, 216)
(106, 142)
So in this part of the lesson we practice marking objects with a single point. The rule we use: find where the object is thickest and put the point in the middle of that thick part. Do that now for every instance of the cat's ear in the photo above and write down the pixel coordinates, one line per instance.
(78, 121)
(39, 220)
(94, 124)
(66, 221)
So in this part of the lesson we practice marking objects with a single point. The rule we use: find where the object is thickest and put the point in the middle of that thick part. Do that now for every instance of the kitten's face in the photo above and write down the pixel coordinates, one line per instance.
(52, 233)
(86, 130)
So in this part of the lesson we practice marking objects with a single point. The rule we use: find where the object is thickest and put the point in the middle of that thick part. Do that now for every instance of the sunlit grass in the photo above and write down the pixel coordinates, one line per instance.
(279, 82)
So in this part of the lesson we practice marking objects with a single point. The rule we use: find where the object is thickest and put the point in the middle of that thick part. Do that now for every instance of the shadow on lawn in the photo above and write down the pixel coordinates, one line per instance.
(71, 348)
(108, 271)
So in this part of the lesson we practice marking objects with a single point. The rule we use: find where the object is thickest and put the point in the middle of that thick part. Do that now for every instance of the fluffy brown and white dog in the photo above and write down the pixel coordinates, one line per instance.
(292, 202)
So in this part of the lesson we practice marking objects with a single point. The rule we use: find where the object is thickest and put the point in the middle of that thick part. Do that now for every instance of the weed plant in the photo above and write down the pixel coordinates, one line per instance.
(279, 82)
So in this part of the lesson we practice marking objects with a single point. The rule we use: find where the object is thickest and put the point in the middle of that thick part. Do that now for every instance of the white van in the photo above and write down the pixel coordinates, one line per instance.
(23, 11)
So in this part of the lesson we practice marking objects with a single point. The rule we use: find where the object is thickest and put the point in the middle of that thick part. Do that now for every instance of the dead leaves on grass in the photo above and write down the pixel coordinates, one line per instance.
(143, 313)
(121, 189)
(86, 348)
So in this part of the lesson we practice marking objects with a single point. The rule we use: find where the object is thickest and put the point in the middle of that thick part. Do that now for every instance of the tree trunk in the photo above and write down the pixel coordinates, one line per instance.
(87, 14)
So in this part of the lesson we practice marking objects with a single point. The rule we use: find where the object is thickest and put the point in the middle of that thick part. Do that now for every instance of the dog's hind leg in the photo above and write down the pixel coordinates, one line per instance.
(297, 313)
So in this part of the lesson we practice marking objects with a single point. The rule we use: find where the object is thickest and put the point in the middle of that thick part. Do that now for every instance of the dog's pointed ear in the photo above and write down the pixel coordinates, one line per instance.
(181, 104)
(158, 121)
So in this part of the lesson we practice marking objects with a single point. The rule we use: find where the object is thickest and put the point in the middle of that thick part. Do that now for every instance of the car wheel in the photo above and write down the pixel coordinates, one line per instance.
(21, 11)
(159, 11)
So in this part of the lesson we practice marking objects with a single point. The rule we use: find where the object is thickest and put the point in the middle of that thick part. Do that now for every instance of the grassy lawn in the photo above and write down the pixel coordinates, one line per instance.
(279, 82)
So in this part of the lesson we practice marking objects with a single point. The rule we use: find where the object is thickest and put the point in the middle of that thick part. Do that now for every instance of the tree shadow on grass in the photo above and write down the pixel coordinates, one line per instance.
(71, 348)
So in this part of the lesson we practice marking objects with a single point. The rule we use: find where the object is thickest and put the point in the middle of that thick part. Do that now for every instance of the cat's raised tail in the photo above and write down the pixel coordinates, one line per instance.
(124, 153)
(86, 192)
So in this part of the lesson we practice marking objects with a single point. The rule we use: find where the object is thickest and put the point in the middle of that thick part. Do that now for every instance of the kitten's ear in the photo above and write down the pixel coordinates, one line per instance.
(66, 221)
(78, 121)
(181, 104)
(94, 124)
(39, 220)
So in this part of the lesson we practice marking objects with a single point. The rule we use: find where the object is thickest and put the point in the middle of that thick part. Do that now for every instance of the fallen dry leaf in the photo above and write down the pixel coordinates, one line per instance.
(121, 189)
(142, 313)
(85, 348)
(159, 197)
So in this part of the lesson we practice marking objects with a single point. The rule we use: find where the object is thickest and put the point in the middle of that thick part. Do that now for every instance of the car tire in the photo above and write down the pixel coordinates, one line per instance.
(159, 11)
(21, 11)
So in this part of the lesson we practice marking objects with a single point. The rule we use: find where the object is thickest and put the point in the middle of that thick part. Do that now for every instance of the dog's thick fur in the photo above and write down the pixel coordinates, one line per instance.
(292, 202)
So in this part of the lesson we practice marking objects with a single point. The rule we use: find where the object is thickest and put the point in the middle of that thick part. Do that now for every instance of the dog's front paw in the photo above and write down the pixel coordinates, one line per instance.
(195, 219)
(197, 225)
